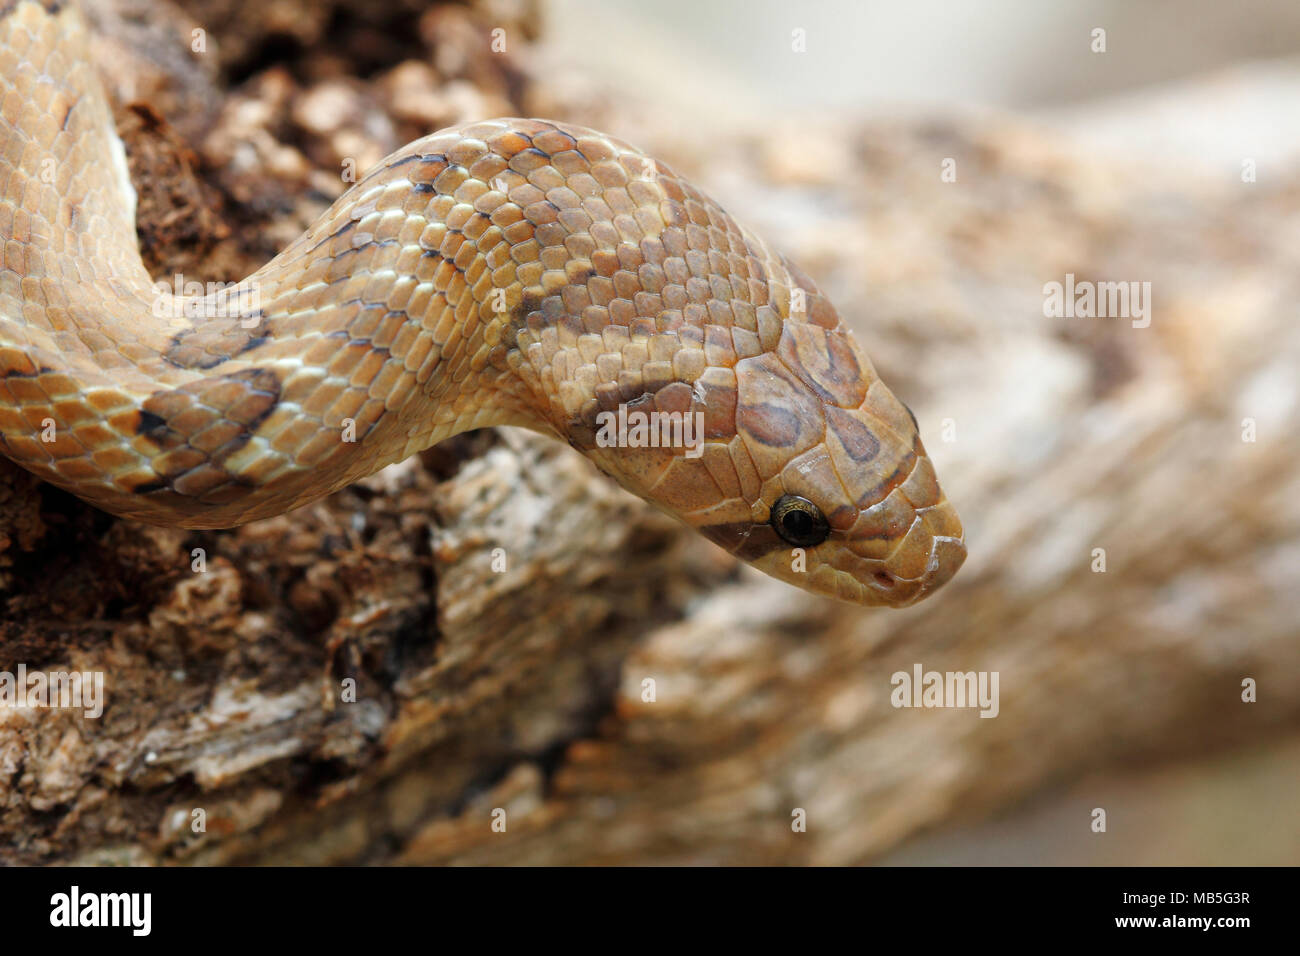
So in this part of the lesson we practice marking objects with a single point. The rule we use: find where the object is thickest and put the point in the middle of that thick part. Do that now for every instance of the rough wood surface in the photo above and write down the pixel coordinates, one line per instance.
(524, 690)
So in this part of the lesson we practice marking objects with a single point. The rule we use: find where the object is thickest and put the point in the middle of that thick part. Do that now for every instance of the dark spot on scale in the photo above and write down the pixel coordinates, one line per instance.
(771, 424)
(149, 487)
(438, 158)
(342, 230)
(149, 422)
(581, 435)
(890, 482)
(858, 441)
(23, 373)
(364, 247)
(843, 517)
(529, 302)
(573, 324)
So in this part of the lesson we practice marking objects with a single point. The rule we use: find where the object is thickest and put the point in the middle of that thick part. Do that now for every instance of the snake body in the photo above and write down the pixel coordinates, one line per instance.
(509, 272)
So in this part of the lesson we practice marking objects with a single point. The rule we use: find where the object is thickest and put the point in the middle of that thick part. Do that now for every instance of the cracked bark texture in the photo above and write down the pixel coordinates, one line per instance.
(522, 687)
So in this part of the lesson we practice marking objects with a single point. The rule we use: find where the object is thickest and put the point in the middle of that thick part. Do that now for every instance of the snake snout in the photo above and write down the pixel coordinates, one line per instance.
(923, 561)
(944, 546)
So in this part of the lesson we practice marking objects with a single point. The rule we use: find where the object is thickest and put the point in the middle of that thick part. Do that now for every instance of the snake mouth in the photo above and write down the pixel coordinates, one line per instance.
(947, 555)
(925, 559)
(881, 587)
(945, 552)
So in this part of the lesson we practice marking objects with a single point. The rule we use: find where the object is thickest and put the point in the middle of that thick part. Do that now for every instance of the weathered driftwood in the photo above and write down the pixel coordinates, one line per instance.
(357, 682)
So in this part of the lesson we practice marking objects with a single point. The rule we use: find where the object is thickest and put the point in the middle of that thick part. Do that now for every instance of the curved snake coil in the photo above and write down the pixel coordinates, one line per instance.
(508, 272)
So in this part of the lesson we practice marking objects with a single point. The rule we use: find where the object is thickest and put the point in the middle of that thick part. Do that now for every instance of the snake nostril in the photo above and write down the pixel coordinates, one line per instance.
(884, 579)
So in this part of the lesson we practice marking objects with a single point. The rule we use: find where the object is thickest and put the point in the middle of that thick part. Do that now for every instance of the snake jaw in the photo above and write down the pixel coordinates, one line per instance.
(944, 550)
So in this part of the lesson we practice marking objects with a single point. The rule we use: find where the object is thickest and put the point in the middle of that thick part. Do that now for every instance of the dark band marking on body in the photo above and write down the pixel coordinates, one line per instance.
(530, 302)
(207, 347)
(419, 157)
(149, 487)
(364, 247)
(582, 428)
(256, 397)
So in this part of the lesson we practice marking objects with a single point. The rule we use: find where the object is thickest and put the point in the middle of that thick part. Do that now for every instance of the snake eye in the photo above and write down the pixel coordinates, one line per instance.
(799, 522)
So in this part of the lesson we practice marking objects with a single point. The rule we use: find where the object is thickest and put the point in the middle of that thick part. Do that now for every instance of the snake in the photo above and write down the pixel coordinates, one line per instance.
(507, 272)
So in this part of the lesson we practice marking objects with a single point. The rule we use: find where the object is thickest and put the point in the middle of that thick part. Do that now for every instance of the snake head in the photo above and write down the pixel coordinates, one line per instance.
(849, 504)
(706, 373)
(872, 530)
(852, 507)
(808, 468)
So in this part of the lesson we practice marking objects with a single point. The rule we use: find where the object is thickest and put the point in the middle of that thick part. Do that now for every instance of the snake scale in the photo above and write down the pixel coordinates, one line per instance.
(508, 272)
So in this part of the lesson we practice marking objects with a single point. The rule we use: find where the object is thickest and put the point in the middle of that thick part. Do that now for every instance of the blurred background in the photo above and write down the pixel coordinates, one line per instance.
(1184, 92)
(730, 62)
